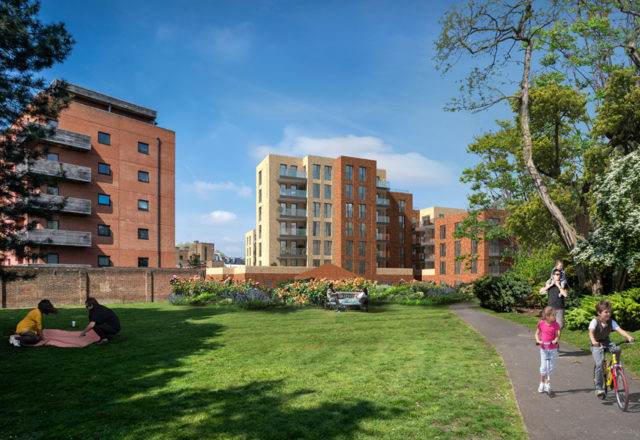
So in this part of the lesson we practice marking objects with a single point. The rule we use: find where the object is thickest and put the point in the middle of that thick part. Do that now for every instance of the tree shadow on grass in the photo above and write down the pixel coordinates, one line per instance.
(258, 410)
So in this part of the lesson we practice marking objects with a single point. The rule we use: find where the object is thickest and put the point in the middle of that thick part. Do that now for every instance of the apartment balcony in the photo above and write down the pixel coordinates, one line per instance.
(383, 185)
(383, 219)
(425, 225)
(292, 234)
(382, 237)
(382, 255)
(380, 201)
(60, 170)
(292, 176)
(292, 195)
(69, 139)
(427, 242)
(300, 253)
(289, 213)
(69, 205)
(58, 237)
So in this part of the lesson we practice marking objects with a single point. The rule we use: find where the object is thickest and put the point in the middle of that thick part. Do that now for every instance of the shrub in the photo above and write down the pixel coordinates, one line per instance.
(625, 309)
(314, 291)
(501, 294)
(199, 291)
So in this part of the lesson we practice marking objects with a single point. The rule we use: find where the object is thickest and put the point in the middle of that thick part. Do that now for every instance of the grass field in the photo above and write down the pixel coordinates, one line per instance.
(398, 372)
(580, 339)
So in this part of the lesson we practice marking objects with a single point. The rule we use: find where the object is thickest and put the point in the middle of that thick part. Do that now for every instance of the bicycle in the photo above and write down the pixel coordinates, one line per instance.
(548, 360)
(613, 377)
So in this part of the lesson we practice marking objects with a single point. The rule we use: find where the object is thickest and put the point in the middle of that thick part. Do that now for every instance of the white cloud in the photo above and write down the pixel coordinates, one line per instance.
(218, 218)
(227, 43)
(204, 190)
(412, 168)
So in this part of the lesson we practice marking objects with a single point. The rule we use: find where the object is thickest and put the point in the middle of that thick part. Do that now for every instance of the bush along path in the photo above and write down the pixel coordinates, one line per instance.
(573, 411)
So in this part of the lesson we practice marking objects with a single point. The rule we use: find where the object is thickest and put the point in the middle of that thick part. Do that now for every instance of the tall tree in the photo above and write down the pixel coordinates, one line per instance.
(27, 46)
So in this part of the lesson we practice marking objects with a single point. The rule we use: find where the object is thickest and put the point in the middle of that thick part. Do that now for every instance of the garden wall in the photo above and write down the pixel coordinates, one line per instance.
(65, 286)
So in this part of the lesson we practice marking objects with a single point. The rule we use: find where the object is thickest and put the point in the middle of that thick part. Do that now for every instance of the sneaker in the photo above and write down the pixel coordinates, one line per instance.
(102, 342)
(547, 388)
(14, 341)
(541, 387)
(600, 393)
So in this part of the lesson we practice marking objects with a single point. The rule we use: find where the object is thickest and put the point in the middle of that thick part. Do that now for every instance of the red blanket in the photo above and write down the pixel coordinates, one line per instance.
(63, 338)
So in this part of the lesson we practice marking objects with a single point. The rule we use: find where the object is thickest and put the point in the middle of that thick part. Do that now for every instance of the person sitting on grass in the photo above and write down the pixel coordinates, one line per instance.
(29, 330)
(363, 298)
(599, 330)
(103, 321)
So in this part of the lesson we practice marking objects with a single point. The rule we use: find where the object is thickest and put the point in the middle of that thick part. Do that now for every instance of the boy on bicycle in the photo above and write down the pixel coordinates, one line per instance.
(599, 330)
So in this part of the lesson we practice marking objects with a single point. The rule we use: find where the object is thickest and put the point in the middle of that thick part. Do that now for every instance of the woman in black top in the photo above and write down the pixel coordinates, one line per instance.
(102, 320)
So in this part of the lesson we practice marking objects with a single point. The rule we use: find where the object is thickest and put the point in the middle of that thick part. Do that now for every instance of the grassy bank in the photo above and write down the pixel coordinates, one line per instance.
(185, 372)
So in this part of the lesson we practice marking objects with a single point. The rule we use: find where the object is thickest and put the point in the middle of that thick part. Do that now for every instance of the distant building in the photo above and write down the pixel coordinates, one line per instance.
(116, 169)
(205, 251)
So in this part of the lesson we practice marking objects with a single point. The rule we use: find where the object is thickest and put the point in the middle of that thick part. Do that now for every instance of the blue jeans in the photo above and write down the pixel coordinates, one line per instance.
(598, 357)
(551, 354)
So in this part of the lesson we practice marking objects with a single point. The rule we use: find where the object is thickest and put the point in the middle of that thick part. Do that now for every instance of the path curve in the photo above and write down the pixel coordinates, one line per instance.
(574, 412)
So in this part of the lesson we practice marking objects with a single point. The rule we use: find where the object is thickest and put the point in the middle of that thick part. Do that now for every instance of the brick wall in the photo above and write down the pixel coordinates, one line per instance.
(71, 286)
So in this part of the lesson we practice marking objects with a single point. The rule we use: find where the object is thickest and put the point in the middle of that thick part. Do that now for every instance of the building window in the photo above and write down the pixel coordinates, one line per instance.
(474, 246)
(53, 259)
(362, 174)
(474, 267)
(362, 248)
(361, 266)
(349, 229)
(362, 229)
(143, 176)
(259, 249)
(362, 211)
(283, 169)
(349, 191)
(327, 210)
(316, 171)
(143, 205)
(143, 262)
(458, 267)
(327, 192)
(327, 229)
(349, 265)
(316, 190)
(316, 209)
(104, 199)
(143, 148)
(401, 221)
(53, 157)
(104, 138)
(349, 248)
(443, 250)
(327, 248)
(104, 230)
(259, 196)
(349, 172)
(401, 237)
(53, 190)
(456, 226)
(362, 192)
(443, 268)
(316, 263)
(443, 231)
(316, 247)
(401, 206)
(259, 213)
(316, 229)
(260, 177)
(401, 253)
(259, 231)
(327, 172)
(143, 234)
(104, 261)
(349, 210)
(104, 168)
(53, 224)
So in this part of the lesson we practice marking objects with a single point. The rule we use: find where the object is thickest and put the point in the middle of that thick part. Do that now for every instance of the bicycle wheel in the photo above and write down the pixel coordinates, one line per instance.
(622, 392)
(603, 379)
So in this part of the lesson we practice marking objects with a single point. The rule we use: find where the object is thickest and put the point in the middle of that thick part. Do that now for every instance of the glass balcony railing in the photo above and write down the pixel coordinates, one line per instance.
(293, 173)
(382, 219)
(382, 237)
(297, 232)
(383, 184)
(289, 252)
(382, 202)
(294, 193)
(290, 212)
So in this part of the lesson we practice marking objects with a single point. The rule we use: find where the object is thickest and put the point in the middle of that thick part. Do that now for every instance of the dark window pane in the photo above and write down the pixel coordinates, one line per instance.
(104, 260)
(104, 168)
(143, 148)
(143, 176)
(104, 138)
(143, 262)
(104, 230)
(143, 205)
(143, 234)
(53, 157)
(104, 199)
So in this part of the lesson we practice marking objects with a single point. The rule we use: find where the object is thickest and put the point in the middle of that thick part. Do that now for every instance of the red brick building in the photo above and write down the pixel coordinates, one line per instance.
(116, 168)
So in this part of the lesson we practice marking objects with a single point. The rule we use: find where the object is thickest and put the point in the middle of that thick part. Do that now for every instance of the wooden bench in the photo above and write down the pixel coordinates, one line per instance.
(346, 299)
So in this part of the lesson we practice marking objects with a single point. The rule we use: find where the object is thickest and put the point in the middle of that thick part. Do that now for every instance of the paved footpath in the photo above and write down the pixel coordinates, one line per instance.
(573, 412)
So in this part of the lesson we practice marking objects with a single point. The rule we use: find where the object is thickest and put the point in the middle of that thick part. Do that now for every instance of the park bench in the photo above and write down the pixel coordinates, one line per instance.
(346, 300)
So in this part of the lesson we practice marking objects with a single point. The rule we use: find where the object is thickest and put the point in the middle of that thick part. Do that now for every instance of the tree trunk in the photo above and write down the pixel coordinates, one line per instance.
(620, 280)
(568, 234)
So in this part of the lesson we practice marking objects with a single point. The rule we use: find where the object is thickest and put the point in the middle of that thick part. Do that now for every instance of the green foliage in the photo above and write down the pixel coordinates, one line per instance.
(314, 291)
(200, 291)
(625, 309)
(501, 294)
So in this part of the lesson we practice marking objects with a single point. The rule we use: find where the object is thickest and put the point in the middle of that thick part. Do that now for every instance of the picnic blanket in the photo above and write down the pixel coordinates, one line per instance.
(63, 338)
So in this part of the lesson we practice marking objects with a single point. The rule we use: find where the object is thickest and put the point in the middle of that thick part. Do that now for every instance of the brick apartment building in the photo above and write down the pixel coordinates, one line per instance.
(316, 210)
(116, 168)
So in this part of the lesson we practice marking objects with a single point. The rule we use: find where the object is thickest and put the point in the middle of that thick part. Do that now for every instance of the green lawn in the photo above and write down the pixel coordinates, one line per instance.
(580, 338)
(398, 372)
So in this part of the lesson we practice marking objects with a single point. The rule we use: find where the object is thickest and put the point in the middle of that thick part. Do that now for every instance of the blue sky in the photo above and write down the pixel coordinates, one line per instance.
(237, 80)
